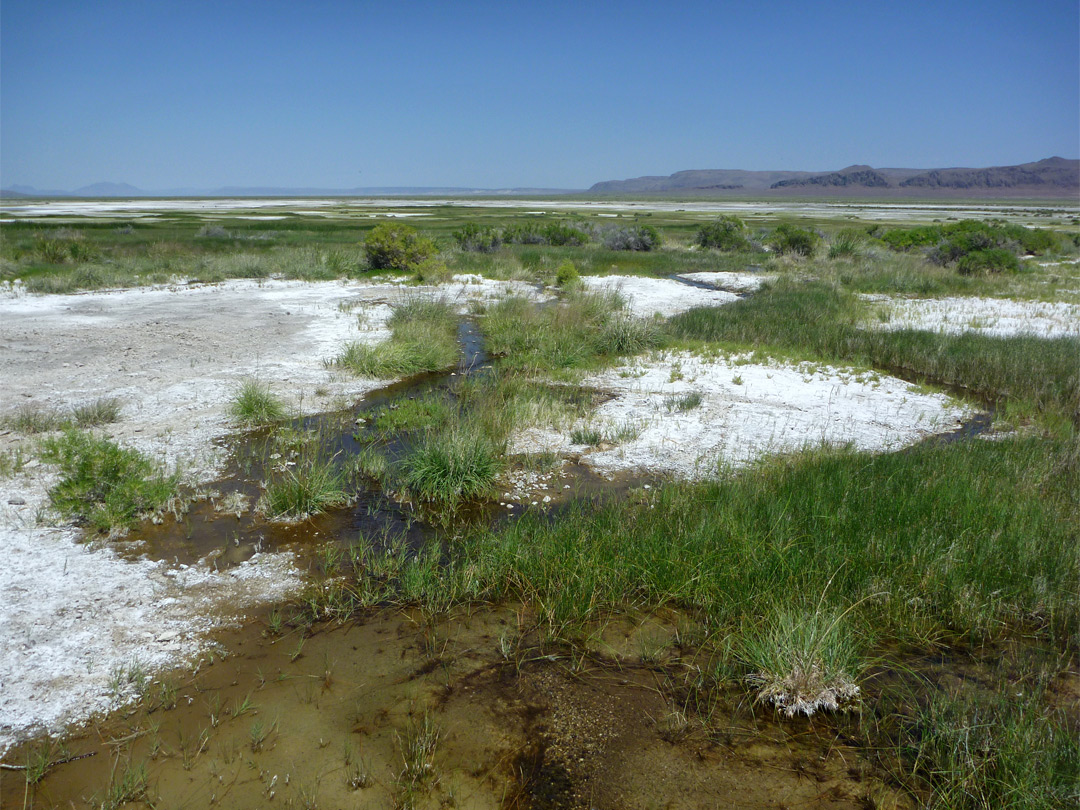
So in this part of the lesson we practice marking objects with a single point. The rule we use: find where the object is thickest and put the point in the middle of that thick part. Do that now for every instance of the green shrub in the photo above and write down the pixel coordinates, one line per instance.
(394, 246)
(103, 485)
(988, 260)
(727, 233)
(566, 275)
(631, 237)
(477, 238)
(789, 239)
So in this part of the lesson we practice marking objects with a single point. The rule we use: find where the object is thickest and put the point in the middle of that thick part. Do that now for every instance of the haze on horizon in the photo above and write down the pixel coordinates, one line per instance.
(495, 95)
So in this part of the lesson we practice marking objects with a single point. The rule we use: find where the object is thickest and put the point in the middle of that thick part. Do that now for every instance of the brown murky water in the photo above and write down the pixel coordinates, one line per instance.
(330, 721)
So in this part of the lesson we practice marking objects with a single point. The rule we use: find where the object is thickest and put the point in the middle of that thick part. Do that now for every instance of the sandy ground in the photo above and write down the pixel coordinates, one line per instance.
(989, 316)
(77, 620)
(746, 410)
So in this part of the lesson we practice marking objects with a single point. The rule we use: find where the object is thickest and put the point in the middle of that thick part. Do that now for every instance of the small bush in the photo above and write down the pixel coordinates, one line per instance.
(845, 244)
(559, 234)
(394, 246)
(989, 260)
(478, 238)
(432, 271)
(212, 232)
(104, 485)
(254, 404)
(726, 233)
(631, 237)
(566, 275)
(788, 239)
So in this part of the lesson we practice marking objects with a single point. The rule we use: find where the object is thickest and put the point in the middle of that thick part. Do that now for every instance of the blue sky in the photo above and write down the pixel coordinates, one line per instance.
(334, 94)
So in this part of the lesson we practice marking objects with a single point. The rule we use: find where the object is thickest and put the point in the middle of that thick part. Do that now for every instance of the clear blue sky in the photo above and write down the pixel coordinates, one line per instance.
(201, 94)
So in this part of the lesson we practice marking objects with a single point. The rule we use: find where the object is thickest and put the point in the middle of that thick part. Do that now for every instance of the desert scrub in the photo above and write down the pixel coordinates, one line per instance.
(792, 240)
(104, 486)
(254, 404)
(395, 246)
(423, 338)
(727, 233)
(304, 488)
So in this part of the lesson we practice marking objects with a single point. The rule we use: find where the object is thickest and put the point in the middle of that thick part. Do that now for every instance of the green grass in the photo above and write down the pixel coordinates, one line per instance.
(255, 404)
(921, 542)
(1002, 750)
(33, 419)
(584, 330)
(451, 466)
(824, 322)
(308, 487)
(413, 414)
(423, 338)
(104, 486)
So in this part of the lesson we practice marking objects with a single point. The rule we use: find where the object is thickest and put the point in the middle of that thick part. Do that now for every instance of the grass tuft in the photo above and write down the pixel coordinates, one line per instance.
(306, 488)
(254, 404)
(103, 485)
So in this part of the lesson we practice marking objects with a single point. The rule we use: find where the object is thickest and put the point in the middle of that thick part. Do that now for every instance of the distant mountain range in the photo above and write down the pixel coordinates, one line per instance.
(127, 191)
(1052, 177)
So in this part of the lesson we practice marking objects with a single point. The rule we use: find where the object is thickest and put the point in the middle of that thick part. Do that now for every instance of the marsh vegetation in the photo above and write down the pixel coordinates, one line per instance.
(921, 605)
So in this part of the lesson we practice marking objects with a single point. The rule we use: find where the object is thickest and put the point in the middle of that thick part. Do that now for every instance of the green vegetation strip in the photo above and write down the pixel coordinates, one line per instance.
(423, 338)
(822, 321)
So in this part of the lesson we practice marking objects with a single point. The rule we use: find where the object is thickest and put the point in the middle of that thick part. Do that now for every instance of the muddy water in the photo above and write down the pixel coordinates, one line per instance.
(326, 721)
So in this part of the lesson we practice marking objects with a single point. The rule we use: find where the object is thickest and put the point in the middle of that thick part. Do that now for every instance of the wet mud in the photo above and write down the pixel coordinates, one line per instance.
(329, 718)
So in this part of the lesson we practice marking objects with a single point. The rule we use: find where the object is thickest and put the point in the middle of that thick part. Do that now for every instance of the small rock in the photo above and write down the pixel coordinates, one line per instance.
(16, 501)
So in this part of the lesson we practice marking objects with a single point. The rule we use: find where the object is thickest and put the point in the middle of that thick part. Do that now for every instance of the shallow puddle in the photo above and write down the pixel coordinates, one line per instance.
(400, 710)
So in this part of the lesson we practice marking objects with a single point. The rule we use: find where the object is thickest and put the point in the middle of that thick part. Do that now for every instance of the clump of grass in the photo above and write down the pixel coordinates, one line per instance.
(423, 338)
(33, 419)
(413, 414)
(451, 466)
(585, 329)
(417, 746)
(103, 485)
(309, 487)
(255, 404)
(587, 435)
(801, 661)
(846, 244)
(102, 411)
(131, 785)
(995, 750)
(11, 462)
(683, 403)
